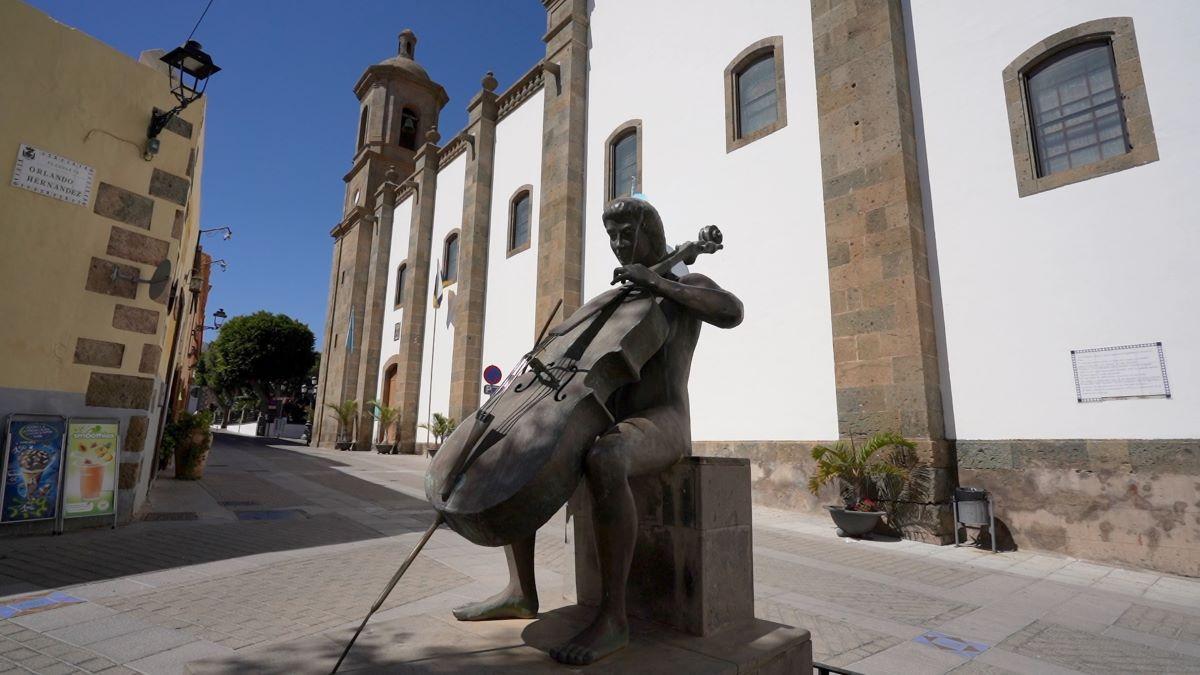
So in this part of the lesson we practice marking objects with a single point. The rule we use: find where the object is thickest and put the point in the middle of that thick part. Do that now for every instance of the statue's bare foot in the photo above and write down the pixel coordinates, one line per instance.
(506, 604)
(605, 635)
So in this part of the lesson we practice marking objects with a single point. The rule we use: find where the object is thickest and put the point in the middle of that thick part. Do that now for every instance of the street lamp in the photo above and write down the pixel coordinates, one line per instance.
(226, 229)
(218, 316)
(190, 67)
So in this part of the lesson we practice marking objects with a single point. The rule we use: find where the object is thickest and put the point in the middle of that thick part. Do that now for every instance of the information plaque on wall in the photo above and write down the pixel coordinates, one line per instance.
(1127, 371)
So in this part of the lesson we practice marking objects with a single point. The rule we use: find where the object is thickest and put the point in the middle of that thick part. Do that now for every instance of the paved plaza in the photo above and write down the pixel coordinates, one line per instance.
(281, 545)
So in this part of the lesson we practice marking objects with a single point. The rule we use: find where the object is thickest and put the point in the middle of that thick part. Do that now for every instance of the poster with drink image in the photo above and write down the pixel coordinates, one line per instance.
(32, 467)
(89, 486)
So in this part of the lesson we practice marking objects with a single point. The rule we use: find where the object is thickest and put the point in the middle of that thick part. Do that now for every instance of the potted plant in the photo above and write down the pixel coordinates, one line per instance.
(189, 438)
(441, 427)
(387, 418)
(346, 413)
(865, 473)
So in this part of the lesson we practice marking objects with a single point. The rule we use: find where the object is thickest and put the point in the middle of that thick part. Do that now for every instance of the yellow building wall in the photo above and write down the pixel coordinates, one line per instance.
(67, 93)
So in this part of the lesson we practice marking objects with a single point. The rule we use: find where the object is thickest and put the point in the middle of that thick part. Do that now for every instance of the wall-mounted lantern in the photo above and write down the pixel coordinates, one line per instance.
(190, 67)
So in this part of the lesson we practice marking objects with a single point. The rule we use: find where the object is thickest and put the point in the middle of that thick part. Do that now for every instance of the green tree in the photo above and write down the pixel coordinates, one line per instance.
(213, 375)
(266, 354)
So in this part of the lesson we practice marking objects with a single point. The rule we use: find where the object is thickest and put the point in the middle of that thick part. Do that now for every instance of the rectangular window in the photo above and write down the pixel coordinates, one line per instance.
(451, 259)
(1075, 103)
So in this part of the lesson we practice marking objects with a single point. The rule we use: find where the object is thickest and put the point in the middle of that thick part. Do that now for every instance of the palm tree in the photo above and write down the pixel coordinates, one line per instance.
(387, 418)
(346, 413)
(441, 428)
(865, 471)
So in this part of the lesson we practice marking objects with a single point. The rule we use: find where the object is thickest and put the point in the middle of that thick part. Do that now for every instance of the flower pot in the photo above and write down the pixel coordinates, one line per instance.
(343, 445)
(191, 454)
(385, 448)
(854, 523)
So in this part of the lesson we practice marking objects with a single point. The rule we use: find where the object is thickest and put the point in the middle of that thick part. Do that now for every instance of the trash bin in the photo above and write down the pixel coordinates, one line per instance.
(973, 508)
(972, 505)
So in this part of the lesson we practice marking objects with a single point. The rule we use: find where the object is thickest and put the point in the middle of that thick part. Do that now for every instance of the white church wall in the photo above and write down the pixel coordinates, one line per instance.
(772, 377)
(389, 346)
(512, 281)
(439, 341)
(1102, 262)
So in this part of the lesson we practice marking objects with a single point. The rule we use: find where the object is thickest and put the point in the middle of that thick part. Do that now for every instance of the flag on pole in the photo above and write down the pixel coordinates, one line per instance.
(437, 285)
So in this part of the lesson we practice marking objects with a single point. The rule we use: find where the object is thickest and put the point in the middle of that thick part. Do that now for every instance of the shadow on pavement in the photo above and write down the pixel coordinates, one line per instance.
(234, 477)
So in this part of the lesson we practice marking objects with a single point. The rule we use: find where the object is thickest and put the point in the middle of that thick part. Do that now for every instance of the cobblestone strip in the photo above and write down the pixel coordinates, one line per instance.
(285, 601)
(27, 651)
(1094, 653)
(1161, 622)
(834, 642)
(859, 595)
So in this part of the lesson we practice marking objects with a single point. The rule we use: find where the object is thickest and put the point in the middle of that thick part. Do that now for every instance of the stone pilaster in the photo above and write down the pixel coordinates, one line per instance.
(473, 240)
(325, 433)
(885, 351)
(564, 141)
(374, 308)
(416, 294)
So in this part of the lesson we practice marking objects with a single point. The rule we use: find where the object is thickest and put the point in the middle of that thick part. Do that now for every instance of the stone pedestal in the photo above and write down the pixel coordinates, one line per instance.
(693, 565)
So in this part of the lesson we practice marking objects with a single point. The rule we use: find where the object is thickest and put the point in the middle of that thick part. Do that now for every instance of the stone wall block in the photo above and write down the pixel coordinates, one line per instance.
(986, 454)
(135, 319)
(101, 279)
(177, 225)
(128, 477)
(124, 206)
(91, 352)
(170, 187)
(151, 355)
(110, 390)
(136, 247)
(135, 434)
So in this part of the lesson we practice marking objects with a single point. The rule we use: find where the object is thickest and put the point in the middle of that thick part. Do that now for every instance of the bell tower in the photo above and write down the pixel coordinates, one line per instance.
(398, 104)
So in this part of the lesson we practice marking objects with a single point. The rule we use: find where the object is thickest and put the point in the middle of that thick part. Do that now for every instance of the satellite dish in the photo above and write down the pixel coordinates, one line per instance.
(160, 280)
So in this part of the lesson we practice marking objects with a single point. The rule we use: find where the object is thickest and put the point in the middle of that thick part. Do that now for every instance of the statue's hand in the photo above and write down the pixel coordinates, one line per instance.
(636, 274)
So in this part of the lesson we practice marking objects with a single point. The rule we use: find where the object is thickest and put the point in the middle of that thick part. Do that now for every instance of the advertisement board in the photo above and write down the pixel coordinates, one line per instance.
(90, 478)
(33, 451)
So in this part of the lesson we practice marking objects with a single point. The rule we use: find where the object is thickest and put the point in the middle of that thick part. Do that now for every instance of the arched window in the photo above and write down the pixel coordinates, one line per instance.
(408, 129)
(623, 161)
(520, 211)
(1077, 106)
(450, 259)
(755, 104)
(401, 273)
(362, 126)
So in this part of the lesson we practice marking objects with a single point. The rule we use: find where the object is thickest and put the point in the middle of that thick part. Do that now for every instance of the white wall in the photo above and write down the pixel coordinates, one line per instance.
(1104, 262)
(772, 377)
(512, 282)
(390, 344)
(447, 216)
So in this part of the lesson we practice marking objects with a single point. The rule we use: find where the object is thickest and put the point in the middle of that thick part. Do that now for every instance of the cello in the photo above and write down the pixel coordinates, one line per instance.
(504, 472)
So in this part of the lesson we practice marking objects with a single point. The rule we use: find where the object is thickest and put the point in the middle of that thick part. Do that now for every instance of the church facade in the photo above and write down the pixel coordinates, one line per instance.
(968, 226)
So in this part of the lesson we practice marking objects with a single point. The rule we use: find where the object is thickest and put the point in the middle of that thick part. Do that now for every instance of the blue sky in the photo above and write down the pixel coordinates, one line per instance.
(282, 116)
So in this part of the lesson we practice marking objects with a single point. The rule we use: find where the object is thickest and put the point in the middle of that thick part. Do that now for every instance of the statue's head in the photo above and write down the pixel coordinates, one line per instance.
(635, 231)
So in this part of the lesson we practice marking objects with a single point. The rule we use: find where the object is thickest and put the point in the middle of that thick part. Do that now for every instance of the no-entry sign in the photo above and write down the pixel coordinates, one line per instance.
(492, 375)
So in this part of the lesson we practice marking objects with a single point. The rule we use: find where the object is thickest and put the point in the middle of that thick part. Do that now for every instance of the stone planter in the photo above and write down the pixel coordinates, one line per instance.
(343, 445)
(854, 523)
(191, 454)
(385, 448)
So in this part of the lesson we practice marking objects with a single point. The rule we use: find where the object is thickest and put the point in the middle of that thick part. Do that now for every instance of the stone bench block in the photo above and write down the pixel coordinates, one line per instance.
(693, 565)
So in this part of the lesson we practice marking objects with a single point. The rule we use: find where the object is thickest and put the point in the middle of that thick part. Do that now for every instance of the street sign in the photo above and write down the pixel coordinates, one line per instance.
(492, 375)
(490, 389)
